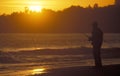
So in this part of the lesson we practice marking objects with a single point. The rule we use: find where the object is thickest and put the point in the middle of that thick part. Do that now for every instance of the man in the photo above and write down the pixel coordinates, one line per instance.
(97, 39)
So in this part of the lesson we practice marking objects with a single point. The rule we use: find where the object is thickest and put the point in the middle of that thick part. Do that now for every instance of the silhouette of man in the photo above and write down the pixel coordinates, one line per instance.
(97, 39)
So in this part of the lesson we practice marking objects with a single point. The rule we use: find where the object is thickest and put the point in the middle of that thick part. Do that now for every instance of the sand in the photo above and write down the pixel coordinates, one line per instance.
(108, 70)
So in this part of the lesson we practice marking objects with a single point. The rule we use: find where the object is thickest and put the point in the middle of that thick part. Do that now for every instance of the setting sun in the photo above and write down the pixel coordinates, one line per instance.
(35, 8)
(9, 6)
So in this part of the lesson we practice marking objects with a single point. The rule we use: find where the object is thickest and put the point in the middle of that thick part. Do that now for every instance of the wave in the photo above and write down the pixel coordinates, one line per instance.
(39, 48)
(7, 58)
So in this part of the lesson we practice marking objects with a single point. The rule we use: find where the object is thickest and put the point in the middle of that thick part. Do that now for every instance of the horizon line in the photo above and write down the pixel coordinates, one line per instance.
(89, 6)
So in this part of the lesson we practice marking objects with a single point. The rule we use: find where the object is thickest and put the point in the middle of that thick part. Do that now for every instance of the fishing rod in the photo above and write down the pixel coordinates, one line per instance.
(89, 38)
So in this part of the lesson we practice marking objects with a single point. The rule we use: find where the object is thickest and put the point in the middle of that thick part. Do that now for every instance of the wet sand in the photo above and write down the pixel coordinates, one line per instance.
(108, 70)
(88, 70)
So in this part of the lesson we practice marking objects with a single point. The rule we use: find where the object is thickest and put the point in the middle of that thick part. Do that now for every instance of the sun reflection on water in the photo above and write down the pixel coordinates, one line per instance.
(32, 72)
(39, 71)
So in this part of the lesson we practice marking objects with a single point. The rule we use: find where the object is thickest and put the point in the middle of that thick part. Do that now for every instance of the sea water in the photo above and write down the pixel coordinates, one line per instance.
(31, 64)
(26, 41)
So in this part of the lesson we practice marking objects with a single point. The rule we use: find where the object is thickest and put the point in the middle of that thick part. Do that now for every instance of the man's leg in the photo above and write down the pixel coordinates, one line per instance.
(97, 57)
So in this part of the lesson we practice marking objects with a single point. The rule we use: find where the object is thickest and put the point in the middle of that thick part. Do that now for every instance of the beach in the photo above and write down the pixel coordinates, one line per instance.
(23, 54)
(110, 70)
(59, 38)
(59, 62)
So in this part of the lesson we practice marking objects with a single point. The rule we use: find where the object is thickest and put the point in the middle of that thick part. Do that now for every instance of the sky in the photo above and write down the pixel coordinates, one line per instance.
(9, 6)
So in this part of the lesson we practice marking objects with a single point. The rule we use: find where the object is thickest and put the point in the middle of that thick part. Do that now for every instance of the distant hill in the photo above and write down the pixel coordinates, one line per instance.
(74, 19)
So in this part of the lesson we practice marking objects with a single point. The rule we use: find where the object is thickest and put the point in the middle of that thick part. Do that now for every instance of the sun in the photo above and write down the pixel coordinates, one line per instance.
(35, 8)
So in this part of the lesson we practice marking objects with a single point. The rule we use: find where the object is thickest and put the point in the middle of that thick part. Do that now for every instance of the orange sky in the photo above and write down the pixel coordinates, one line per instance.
(9, 6)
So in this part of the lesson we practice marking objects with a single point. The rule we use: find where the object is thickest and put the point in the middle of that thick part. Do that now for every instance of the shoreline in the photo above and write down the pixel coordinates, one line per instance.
(79, 54)
(107, 70)
(86, 53)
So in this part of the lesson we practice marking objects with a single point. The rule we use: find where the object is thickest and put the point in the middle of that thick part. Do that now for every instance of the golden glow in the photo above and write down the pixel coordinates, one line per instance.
(39, 71)
(30, 72)
(35, 8)
(9, 6)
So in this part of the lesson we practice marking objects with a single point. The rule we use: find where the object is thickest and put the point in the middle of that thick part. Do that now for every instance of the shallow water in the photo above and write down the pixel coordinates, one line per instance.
(31, 63)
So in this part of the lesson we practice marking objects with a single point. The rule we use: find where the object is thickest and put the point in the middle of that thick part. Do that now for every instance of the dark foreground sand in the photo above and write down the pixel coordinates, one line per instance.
(109, 70)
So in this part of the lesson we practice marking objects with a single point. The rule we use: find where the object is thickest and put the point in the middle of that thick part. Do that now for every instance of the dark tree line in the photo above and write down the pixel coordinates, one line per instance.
(74, 19)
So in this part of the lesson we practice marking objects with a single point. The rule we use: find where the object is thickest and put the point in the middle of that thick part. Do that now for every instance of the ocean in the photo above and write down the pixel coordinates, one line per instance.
(23, 41)
(27, 54)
